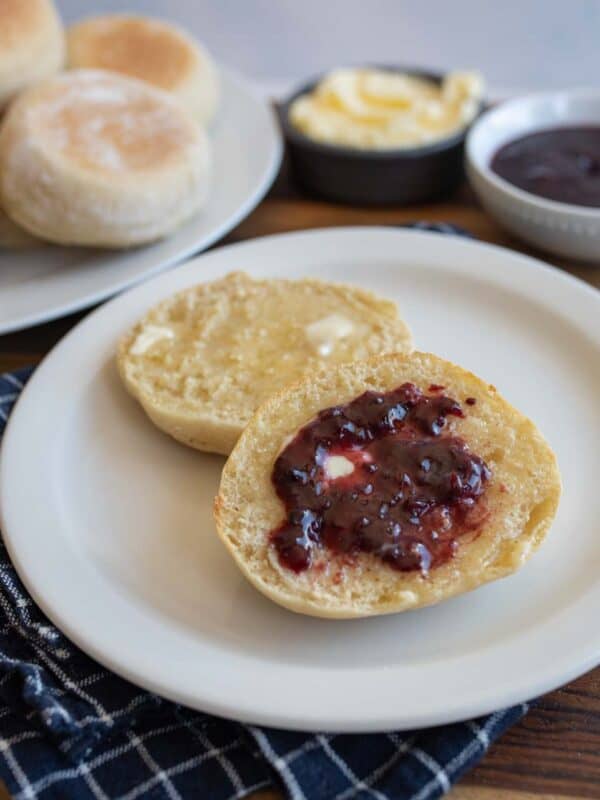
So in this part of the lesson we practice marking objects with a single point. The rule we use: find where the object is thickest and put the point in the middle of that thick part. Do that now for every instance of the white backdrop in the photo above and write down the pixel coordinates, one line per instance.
(516, 43)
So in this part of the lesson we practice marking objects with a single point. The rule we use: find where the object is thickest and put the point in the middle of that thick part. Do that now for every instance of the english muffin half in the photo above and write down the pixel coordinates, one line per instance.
(382, 486)
(202, 361)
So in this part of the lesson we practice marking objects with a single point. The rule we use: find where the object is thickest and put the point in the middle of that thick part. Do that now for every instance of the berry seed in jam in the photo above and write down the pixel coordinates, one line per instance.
(377, 476)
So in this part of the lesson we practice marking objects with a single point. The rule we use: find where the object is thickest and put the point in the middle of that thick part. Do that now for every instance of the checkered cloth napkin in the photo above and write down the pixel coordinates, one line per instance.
(70, 729)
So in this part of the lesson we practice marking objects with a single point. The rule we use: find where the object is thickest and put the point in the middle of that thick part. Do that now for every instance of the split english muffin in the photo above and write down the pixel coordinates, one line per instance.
(150, 50)
(94, 158)
(382, 486)
(202, 361)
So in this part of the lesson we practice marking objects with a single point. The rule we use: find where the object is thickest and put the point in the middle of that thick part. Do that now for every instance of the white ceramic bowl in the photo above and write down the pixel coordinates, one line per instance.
(561, 228)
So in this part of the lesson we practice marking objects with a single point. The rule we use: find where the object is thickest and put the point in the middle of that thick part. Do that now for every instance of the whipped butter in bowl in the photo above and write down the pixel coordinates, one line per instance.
(378, 109)
(370, 135)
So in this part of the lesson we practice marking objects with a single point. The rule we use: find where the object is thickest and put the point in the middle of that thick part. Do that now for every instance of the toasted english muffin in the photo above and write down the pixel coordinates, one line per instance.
(201, 362)
(512, 467)
(151, 50)
(94, 158)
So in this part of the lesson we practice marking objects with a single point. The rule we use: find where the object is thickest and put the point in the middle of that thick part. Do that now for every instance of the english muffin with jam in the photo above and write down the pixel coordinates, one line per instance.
(382, 486)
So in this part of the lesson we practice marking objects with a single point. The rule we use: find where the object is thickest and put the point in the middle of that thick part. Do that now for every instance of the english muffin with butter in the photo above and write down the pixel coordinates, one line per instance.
(94, 158)
(150, 50)
(202, 361)
(385, 485)
(32, 45)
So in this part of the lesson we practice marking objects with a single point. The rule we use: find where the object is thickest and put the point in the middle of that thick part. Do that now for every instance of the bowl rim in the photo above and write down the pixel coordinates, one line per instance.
(524, 197)
(296, 136)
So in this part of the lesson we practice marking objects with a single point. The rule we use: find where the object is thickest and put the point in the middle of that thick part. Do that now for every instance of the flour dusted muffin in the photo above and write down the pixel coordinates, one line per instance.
(95, 158)
(203, 360)
(32, 45)
(381, 486)
(150, 50)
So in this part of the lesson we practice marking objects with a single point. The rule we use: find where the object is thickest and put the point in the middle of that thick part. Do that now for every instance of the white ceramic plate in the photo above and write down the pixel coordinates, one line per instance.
(109, 522)
(47, 282)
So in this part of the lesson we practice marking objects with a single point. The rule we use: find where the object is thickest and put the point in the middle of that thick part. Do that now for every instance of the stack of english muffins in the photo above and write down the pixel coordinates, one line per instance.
(103, 137)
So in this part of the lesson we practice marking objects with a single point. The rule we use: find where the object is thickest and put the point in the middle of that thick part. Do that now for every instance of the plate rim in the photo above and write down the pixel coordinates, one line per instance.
(232, 221)
(563, 670)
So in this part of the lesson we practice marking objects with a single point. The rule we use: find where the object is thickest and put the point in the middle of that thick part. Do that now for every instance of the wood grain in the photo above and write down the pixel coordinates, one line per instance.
(554, 753)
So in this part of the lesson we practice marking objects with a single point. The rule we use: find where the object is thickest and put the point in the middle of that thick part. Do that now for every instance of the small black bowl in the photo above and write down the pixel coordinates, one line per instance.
(374, 177)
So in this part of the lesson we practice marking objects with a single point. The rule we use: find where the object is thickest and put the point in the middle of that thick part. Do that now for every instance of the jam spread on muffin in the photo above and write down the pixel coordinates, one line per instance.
(379, 476)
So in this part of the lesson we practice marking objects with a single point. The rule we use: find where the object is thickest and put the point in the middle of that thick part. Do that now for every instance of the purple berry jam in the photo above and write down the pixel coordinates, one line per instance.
(562, 164)
(405, 492)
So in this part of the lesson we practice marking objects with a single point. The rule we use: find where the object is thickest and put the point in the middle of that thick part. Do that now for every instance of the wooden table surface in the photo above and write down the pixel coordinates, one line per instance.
(555, 751)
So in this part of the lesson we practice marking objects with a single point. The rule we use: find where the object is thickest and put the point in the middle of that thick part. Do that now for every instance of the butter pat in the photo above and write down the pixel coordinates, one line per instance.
(149, 337)
(380, 109)
(338, 467)
(324, 333)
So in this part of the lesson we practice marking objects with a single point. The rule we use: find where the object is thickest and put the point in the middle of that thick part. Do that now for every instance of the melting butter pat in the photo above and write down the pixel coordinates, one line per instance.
(150, 335)
(338, 467)
(324, 333)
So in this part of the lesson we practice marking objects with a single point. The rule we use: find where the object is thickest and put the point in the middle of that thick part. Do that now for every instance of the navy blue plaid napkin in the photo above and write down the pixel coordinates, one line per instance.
(69, 729)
